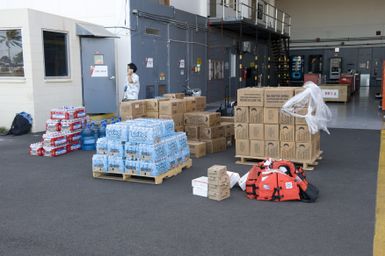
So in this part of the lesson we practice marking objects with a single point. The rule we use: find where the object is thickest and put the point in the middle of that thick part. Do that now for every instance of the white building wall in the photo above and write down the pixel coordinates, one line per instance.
(50, 93)
(16, 94)
(113, 14)
(197, 6)
(105, 13)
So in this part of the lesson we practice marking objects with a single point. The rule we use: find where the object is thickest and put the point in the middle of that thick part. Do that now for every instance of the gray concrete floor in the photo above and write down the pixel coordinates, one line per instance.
(361, 112)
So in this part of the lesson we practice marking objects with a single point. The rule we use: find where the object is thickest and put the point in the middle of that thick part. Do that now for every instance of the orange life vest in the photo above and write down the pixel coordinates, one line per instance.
(277, 185)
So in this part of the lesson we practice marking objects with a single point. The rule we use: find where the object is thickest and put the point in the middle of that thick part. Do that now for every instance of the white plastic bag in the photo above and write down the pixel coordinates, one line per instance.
(242, 181)
(318, 114)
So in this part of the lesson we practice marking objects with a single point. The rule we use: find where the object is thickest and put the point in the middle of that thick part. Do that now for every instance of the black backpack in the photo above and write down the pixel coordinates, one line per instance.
(21, 124)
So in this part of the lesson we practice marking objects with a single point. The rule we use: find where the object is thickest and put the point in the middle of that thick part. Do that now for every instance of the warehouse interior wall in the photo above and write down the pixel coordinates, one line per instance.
(329, 19)
(352, 30)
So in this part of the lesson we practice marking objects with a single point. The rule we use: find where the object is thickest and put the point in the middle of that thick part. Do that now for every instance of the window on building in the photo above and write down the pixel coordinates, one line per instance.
(153, 31)
(11, 53)
(55, 54)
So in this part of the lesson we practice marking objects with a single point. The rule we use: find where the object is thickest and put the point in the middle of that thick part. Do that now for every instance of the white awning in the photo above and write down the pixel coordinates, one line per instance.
(86, 29)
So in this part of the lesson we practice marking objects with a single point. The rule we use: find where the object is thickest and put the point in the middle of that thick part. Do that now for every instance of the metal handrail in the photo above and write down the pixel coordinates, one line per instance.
(272, 17)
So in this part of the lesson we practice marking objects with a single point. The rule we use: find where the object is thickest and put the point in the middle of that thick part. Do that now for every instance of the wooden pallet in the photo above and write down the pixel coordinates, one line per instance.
(142, 178)
(306, 165)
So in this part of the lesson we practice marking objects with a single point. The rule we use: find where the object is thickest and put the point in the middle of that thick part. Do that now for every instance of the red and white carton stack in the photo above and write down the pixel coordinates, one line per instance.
(63, 132)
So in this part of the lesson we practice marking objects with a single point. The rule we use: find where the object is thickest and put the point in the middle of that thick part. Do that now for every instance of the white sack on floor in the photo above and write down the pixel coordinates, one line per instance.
(234, 178)
(242, 181)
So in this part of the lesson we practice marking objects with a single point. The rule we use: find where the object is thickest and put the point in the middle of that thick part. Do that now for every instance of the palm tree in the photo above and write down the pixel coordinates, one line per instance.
(11, 38)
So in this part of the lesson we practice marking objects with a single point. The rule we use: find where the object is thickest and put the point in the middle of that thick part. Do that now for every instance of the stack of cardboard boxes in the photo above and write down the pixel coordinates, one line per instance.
(262, 131)
(219, 182)
(172, 106)
(205, 133)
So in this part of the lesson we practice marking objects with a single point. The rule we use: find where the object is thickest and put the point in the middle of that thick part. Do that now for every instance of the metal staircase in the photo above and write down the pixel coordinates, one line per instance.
(280, 60)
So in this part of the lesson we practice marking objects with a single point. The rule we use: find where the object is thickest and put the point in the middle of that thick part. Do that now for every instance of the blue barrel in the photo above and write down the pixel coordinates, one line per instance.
(88, 139)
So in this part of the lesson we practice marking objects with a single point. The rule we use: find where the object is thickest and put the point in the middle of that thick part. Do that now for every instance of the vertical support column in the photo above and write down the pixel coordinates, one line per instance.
(275, 19)
(256, 59)
(269, 61)
(283, 24)
(240, 56)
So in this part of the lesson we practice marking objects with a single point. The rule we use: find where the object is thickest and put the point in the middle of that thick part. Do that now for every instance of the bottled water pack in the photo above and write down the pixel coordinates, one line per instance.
(100, 163)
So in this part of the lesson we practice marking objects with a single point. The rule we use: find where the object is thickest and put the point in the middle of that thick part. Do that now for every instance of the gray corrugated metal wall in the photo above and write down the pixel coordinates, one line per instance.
(178, 39)
(221, 45)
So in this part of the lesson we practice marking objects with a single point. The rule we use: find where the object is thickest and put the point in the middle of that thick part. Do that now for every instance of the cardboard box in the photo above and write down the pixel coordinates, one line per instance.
(219, 195)
(229, 129)
(272, 149)
(172, 107)
(250, 96)
(257, 148)
(304, 152)
(201, 182)
(200, 102)
(205, 119)
(179, 128)
(192, 132)
(215, 145)
(242, 147)
(316, 141)
(212, 132)
(288, 151)
(302, 133)
(241, 131)
(178, 95)
(217, 171)
(217, 181)
(300, 120)
(190, 104)
(197, 148)
(287, 132)
(132, 109)
(276, 97)
(271, 131)
(271, 115)
(200, 191)
(177, 118)
(298, 90)
(256, 132)
(152, 105)
(241, 114)
(219, 187)
(286, 119)
(152, 114)
(256, 115)
(227, 119)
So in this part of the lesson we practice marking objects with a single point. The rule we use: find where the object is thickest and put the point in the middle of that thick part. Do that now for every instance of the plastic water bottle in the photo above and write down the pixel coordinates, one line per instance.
(88, 139)
(102, 129)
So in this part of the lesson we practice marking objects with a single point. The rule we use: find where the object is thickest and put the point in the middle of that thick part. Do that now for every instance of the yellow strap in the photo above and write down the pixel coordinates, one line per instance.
(379, 233)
